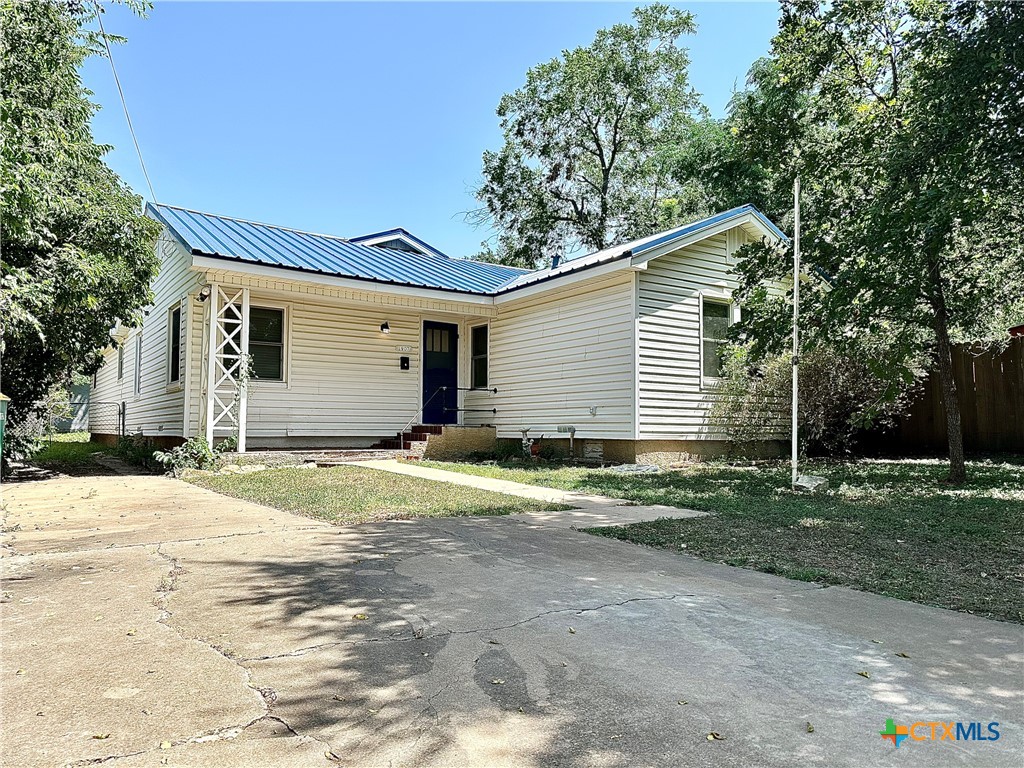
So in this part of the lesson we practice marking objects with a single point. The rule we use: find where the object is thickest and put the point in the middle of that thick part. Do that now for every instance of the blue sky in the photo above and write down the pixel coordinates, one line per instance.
(348, 118)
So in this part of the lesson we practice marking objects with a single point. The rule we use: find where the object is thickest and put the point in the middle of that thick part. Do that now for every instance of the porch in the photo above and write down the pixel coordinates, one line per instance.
(290, 365)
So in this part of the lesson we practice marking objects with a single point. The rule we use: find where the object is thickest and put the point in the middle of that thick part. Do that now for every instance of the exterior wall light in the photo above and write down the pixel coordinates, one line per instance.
(384, 327)
(204, 293)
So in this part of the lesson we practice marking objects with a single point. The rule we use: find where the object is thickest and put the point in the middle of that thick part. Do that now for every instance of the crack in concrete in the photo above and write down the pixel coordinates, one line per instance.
(578, 611)
(400, 639)
(267, 696)
(225, 733)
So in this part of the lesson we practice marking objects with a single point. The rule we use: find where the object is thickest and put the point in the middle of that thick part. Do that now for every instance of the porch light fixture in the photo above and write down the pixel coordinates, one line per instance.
(384, 327)
(204, 293)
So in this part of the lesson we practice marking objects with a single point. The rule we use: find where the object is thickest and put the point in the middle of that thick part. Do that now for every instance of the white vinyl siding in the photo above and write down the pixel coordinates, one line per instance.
(673, 396)
(157, 409)
(344, 383)
(343, 374)
(556, 356)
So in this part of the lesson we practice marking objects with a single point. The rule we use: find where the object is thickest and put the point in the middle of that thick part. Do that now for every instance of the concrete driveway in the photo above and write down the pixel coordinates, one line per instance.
(149, 622)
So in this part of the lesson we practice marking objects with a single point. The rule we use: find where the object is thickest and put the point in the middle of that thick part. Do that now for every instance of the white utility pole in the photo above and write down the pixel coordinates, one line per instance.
(796, 318)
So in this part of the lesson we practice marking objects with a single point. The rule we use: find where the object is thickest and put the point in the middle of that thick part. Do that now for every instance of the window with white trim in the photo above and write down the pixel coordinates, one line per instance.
(715, 317)
(120, 361)
(478, 357)
(266, 343)
(174, 346)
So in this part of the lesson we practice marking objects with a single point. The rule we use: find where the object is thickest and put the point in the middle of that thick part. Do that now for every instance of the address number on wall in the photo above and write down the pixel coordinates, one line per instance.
(403, 348)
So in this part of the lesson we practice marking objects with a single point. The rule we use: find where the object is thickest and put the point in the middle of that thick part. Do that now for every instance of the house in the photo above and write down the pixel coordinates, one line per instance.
(355, 341)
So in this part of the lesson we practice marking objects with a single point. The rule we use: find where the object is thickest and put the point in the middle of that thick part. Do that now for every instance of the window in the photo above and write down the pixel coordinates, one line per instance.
(437, 340)
(478, 353)
(138, 363)
(714, 328)
(266, 343)
(120, 362)
(175, 345)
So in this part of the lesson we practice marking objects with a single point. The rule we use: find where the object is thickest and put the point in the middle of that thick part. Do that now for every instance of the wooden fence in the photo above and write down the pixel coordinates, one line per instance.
(990, 388)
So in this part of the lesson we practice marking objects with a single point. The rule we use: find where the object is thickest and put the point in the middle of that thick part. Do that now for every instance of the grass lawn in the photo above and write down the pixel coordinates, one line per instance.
(66, 452)
(345, 495)
(891, 527)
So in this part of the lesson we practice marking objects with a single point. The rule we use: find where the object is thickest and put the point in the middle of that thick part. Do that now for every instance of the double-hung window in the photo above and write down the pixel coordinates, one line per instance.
(714, 324)
(266, 343)
(478, 357)
(120, 361)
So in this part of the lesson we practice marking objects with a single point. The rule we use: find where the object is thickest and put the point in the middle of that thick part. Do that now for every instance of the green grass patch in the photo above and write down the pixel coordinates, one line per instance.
(893, 527)
(68, 451)
(345, 495)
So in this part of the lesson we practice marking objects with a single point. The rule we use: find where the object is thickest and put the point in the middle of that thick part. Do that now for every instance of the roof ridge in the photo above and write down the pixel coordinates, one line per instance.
(524, 270)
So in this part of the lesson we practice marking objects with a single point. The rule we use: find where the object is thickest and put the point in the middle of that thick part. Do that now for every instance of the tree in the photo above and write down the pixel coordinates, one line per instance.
(78, 255)
(584, 160)
(905, 121)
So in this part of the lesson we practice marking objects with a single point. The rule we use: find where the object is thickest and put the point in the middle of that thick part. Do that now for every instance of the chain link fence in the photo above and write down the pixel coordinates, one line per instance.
(106, 418)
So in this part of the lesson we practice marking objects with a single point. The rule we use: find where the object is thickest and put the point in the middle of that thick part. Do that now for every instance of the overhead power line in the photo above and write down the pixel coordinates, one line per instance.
(124, 104)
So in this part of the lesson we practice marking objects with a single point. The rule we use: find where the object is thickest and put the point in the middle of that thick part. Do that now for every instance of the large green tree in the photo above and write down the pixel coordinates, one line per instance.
(585, 142)
(905, 121)
(78, 255)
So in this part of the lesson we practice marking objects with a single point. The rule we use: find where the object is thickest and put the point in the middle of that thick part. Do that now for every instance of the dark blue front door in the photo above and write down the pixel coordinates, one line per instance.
(440, 369)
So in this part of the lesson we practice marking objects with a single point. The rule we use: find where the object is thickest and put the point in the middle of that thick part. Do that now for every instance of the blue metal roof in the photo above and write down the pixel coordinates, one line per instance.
(710, 221)
(222, 237)
(639, 247)
(250, 242)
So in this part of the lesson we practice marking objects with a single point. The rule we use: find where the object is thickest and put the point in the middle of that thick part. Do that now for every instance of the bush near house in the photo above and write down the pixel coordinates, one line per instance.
(194, 453)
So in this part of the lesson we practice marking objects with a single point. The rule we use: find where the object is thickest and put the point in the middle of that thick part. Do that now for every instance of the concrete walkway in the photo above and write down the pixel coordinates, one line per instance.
(148, 622)
(588, 510)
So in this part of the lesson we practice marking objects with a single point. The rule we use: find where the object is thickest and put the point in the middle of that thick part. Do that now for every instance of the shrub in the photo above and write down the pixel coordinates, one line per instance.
(136, 450)
(195, 453)
(508, 450)
(840, 395)
(227, 445)
(552, 451)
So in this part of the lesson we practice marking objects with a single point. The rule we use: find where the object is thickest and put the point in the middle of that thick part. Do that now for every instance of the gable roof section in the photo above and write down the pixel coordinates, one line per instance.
(398, 233)
(645, 248)
(238, 240)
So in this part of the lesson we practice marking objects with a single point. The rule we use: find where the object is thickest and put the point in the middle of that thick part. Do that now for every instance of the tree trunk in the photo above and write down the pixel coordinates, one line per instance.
(954, 431)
